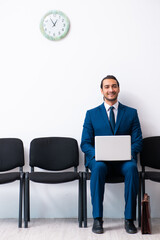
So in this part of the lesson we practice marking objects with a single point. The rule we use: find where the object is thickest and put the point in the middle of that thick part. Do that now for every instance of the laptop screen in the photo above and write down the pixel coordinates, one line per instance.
(113, 148)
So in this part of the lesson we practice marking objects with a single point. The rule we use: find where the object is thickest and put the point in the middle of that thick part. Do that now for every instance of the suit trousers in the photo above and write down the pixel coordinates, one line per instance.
(100, 171)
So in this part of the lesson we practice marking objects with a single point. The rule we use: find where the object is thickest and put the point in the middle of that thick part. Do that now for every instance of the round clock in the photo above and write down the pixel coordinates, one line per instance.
(55, 25)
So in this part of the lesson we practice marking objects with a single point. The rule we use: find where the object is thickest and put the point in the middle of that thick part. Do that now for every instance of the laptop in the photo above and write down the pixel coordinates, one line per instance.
(113, 148)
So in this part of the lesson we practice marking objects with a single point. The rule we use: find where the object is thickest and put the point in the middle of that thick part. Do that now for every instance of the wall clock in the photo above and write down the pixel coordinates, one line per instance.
(54, 25)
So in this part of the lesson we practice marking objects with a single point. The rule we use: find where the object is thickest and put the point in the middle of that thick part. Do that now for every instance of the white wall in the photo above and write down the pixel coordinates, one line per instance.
(46, 87)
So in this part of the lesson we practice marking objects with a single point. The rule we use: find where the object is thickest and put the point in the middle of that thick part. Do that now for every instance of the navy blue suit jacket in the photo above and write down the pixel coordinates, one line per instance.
(97, 124)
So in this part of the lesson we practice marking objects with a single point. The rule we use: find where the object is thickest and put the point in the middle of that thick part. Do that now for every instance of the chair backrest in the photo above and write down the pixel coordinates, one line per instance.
(150, 155)
(54, 153)
(11, 153)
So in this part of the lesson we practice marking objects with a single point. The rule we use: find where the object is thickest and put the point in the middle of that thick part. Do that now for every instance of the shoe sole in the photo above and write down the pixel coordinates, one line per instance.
(98, 231)
(130, 232)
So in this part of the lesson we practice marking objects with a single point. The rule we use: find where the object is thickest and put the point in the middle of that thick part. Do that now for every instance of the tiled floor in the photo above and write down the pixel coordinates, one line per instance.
(67, 229)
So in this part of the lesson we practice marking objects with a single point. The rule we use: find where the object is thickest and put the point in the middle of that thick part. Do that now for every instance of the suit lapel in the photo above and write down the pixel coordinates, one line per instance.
(105, 117)
(121, 111)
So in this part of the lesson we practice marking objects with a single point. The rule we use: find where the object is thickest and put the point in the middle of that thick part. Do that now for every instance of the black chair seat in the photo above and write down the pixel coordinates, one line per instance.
(42, 177)
(115, 179)
(154, 176)
(109, 179)
(9, 177)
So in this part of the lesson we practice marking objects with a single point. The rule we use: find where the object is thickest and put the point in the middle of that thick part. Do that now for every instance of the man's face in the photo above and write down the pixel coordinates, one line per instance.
(110, 91)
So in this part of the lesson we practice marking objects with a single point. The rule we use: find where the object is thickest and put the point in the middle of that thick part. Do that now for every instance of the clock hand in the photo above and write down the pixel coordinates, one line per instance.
(55, 22)
(52, 22)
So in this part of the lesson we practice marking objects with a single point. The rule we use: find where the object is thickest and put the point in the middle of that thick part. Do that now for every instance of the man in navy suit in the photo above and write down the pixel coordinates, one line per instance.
(112, 118)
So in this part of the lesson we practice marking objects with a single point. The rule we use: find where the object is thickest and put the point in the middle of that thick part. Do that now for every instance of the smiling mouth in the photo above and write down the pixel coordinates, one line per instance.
(111, 95)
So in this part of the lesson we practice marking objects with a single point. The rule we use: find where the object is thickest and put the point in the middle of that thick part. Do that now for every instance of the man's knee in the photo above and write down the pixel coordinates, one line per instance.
(129, 167)
(98, 168)
(132, 169)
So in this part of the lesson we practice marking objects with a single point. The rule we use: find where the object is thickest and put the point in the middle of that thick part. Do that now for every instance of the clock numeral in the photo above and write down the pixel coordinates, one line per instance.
(64, 25)
(62, 29)
(59, 33)
(63, 20)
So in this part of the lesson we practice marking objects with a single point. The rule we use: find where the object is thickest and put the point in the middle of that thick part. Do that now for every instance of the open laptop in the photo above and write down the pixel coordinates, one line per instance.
(113, 148)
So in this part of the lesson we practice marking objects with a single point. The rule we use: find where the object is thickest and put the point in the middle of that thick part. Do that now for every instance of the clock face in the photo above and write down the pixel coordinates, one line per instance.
(54, 25)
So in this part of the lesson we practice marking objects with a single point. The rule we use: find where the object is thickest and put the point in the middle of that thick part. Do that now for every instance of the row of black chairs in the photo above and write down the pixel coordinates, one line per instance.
(58, 156)
(55, 155)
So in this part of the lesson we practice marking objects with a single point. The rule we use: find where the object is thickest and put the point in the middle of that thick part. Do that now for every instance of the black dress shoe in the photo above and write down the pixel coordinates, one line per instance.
(129, 226)
(97, 226)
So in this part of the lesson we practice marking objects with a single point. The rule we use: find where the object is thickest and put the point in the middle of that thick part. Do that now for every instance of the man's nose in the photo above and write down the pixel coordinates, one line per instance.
(111, 89)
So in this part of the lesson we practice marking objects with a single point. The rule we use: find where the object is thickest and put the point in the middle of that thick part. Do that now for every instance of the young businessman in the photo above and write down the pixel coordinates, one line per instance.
(112, 118)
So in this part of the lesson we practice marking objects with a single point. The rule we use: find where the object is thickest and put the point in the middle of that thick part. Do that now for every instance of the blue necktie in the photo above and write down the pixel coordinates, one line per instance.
(112, 118)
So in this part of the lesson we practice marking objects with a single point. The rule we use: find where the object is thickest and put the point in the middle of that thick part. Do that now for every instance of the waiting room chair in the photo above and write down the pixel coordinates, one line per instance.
(150, 157)
(111, 180)
(11, 157)
(54, 154)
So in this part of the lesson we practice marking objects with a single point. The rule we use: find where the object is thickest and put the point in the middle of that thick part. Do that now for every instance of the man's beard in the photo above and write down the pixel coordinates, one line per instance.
(108, 99)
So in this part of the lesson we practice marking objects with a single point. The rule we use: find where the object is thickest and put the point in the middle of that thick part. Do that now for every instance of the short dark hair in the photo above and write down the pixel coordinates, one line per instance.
(109, 77)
